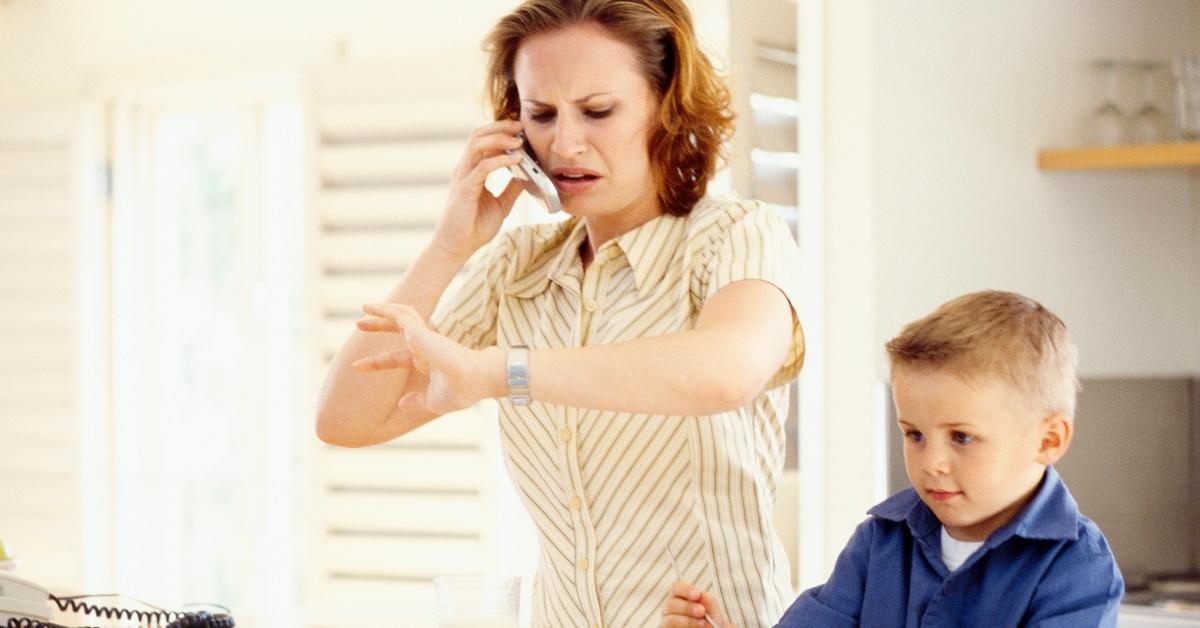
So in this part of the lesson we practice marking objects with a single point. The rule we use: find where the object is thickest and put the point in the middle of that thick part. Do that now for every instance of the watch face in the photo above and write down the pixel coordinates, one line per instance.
(516, 374)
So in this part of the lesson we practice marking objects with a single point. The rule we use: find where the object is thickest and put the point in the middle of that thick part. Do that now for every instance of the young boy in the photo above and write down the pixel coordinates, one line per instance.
(988, 534)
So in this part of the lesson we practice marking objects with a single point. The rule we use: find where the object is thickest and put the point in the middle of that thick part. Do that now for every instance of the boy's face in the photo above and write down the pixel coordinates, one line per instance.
(972, 451)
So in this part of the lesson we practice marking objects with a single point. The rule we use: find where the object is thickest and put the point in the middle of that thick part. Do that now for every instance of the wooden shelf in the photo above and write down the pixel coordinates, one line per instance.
(1180, 155)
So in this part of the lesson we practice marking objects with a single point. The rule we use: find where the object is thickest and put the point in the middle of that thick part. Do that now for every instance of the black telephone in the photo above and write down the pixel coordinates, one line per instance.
(24, 604)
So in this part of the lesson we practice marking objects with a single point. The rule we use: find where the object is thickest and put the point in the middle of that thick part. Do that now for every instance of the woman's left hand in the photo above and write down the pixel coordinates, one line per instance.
(458, 377)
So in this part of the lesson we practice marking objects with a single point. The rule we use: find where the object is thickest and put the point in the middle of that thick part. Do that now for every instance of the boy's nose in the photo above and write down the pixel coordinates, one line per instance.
(935, 462)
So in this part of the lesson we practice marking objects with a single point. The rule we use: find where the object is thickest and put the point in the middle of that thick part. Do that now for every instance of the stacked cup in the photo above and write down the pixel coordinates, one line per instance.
(477, 601)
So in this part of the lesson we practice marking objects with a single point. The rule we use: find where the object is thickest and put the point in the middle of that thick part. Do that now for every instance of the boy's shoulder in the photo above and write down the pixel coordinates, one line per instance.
(1052, 515)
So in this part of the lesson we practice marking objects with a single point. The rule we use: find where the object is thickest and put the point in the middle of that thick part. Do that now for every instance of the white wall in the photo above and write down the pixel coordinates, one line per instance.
(63, 46)
(965, 94)
(50, 49)
(935, 112)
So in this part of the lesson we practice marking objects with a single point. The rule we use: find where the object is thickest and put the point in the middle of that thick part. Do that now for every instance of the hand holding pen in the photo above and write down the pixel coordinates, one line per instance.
(689, 607)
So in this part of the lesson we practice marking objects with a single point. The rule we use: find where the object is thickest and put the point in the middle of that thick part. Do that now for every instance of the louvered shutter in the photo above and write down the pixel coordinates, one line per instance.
(41, 502)
(387, 519)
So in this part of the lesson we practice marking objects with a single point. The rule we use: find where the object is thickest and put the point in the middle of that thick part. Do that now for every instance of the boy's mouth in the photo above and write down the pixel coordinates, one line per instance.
(942, 496)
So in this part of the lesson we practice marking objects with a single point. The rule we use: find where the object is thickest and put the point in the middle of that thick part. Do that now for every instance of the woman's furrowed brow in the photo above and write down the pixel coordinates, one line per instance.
(578, 101)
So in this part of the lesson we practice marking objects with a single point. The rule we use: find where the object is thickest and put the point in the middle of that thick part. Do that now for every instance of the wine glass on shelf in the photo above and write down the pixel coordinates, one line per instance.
(1187, 96)
(1148, 125)
(1108, 125)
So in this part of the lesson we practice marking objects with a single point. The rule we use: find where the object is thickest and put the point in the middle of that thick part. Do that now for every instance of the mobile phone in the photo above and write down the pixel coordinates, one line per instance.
(534, 179)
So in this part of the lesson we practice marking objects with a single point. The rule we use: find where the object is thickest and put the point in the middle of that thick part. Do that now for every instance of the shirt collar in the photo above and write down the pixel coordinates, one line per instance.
(649, 248)
(1052, 514)
(529, 278)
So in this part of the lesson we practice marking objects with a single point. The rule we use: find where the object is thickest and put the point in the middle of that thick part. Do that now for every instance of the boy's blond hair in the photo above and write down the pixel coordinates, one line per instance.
(997, 334)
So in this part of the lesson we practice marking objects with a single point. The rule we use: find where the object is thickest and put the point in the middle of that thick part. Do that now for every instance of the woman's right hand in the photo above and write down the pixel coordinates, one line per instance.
(473, 215)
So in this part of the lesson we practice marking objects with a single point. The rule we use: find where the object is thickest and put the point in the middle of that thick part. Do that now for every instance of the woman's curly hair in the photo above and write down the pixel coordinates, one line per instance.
(695, 116)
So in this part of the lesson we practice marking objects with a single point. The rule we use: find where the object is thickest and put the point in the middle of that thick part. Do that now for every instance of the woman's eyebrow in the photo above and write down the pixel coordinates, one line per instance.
(578, 101)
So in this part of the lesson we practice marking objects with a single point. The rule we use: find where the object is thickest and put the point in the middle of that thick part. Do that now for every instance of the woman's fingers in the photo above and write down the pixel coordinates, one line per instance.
(486, 166)
(499, 126)
(489, 139)
(404, 318)
(401, 359)
(491, 145)
(413, 401)
(374, 323)
(509, 196)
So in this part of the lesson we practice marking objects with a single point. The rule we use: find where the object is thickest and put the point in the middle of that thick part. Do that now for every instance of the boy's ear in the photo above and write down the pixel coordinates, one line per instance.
(1055, 433)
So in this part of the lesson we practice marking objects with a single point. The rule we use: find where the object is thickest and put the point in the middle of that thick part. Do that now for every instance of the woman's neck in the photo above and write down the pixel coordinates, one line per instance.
(601, 229)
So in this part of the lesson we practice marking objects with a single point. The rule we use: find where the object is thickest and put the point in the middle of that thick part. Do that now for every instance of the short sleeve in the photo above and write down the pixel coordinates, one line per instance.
(468, 315)
(757, 244)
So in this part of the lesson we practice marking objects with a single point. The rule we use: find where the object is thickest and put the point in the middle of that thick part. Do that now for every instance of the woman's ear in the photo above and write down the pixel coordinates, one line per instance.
(1054, 433)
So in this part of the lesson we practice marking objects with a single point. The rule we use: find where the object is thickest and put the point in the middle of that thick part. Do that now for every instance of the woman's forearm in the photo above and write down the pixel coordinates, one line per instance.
(740, 340)
(695, 372)
(353, 407)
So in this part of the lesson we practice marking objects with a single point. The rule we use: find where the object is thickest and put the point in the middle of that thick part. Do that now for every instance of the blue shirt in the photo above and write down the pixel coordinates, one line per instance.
(1050, 567)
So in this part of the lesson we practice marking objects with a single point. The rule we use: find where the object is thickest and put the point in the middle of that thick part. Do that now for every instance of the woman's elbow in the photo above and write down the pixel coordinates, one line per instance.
(730, 390)
(331, 430)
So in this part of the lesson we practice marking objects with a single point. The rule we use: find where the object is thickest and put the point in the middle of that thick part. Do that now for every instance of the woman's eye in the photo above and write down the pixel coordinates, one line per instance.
(962, 438)
(541, 116)
(914, 436)
(599, 114)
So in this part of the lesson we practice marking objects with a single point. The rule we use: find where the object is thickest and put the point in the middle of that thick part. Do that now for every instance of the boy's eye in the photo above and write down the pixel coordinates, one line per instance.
(961, 438)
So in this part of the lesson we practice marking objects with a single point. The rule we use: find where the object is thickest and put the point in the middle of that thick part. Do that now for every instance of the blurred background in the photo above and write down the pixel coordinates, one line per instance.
(196, 197)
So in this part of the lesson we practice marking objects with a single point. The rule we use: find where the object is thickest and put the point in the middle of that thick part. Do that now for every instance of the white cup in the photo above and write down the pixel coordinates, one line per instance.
(477, 601)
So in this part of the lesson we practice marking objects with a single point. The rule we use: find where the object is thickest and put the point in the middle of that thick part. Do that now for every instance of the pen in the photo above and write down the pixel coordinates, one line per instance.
(679, 576)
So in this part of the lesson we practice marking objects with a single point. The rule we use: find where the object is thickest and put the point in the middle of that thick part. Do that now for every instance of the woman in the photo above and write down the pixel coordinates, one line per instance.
(646, 416)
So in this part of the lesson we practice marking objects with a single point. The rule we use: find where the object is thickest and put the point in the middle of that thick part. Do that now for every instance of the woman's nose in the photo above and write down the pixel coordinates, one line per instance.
(569, 138)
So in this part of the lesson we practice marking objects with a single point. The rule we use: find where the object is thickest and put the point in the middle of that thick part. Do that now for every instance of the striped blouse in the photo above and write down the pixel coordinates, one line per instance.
(610, 492)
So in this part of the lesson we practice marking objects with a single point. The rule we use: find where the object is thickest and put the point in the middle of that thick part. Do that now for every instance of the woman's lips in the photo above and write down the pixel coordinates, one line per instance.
(574, 185)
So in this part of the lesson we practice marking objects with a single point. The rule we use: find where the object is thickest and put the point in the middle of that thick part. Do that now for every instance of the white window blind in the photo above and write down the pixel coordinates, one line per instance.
(386, 520)
(41, 505)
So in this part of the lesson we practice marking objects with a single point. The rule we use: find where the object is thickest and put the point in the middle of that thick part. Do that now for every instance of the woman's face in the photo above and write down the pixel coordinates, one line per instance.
(588, 112)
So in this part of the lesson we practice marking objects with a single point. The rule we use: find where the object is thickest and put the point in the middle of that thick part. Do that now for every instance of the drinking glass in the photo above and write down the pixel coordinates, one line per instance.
(1148, 125)
(1108, 126)
(477, 601)
(1187, 96)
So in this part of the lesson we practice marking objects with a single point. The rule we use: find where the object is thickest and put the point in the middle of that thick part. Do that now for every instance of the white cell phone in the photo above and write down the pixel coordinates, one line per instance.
(534, 179)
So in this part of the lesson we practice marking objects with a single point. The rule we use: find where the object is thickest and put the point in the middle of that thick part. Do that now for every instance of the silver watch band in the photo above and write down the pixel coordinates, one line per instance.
(516, 373)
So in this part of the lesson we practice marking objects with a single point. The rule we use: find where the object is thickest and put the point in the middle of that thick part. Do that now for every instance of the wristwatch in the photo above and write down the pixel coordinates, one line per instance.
(516, 373)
